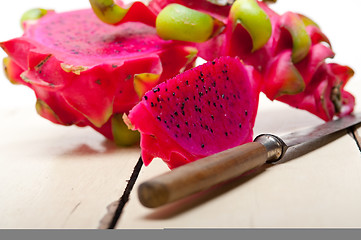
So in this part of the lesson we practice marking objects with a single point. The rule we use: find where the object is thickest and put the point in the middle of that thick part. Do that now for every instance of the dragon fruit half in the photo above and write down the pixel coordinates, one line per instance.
(200, 112)
(88, 73)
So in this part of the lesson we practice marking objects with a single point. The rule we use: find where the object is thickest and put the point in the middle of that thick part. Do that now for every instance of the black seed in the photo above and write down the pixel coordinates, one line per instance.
(166, 89)
(178, 87)
(209, 103)
(183, 113)
(214, 84)
(212, 117)
(145, 97)
(151, 104)
(211, 130)
(202, 146)
(186, 122)
(187, 82)
(173, 93)
(200, 94)
(213, 62)
(178, 126)
(168, 99)
(201, 73)
(196, 85)
(158, 99)
(159, 118)
(175, 113)
(226, 133)
(165, 121)
(99, 82)
(182, 107)
(214, 104)
(199, 110)
(194, 97)
(221, 105)
(246, 112)
(240, 125)
(223, 96)
(189, 134)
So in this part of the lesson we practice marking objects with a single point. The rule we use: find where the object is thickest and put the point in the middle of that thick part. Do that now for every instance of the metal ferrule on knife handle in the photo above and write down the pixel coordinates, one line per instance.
(275, 146)
(206, 172)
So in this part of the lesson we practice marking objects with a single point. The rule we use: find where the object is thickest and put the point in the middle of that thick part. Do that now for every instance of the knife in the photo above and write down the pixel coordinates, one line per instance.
(220, 167)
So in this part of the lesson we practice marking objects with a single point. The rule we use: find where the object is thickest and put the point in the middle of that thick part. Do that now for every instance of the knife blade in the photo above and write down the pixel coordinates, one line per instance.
(220, 167)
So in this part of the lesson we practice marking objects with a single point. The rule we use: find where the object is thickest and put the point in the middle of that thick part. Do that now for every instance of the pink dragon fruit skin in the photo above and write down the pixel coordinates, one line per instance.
(89, 74)
(200, 112)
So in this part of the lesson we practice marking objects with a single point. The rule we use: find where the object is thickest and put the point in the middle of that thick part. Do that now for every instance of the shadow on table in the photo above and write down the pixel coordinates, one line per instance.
(103, 148)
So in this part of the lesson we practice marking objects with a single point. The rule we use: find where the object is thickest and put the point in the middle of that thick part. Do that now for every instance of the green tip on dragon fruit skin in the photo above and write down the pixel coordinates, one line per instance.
(307, 21)
(122, 135)
(252, 17)
(177, 22)
(32, 15)
(108, 11)
(300, 38)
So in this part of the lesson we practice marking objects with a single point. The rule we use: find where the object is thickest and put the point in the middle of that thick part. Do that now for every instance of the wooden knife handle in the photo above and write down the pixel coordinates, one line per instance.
(202, 174)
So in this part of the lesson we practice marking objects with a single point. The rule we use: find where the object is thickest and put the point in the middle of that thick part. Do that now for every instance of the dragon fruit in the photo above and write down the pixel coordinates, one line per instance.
(288, 50)
(89, 75)
(200, 112)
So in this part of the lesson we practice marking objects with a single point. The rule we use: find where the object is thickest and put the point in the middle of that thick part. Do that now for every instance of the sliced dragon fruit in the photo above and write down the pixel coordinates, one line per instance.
(89, 73)
(200, 112)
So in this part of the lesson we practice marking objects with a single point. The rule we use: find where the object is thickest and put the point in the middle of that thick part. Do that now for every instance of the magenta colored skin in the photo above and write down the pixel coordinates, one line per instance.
(200, 112)
(105, 59)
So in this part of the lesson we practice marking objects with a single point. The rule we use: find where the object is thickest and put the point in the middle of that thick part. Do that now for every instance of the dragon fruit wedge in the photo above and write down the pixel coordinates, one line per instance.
(89, 73)
(197, 113)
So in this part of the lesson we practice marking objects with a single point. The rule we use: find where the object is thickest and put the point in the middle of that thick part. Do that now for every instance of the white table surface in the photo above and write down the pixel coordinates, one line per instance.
(65, 177)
